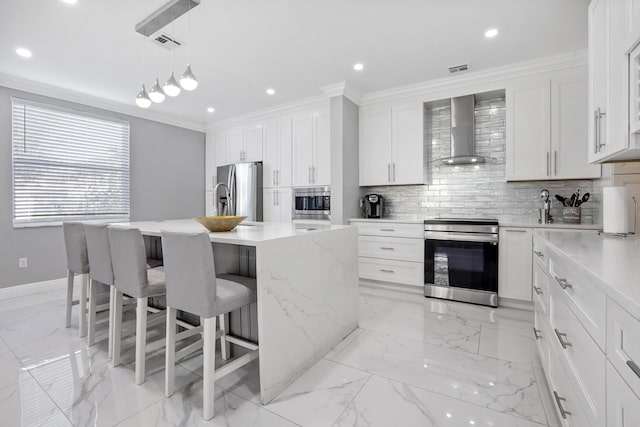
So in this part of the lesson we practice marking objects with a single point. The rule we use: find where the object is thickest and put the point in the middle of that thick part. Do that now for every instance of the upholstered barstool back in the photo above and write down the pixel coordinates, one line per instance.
(99, 253)
(75, 242)
(190, 272)
(129, 261)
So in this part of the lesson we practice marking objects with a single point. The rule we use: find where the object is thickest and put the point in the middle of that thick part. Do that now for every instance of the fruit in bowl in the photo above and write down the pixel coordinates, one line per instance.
(220, 223)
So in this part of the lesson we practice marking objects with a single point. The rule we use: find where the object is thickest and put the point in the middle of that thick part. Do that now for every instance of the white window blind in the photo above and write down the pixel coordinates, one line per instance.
(67, 165)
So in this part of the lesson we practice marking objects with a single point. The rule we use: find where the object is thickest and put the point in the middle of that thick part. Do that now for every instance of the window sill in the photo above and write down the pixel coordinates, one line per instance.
(59, 223)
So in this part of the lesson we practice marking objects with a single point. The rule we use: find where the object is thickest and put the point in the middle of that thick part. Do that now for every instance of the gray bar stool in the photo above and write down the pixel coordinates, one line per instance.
(192, 286)
(75, 242)
(132, 277)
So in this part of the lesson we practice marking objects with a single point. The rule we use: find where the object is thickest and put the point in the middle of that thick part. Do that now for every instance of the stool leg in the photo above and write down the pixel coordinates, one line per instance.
(117, 327)
(112, 297)
(224, 345)
(93, 291)
(209, 367)
(69, 297)
(83, 305)
(170, 358)
(141, 339)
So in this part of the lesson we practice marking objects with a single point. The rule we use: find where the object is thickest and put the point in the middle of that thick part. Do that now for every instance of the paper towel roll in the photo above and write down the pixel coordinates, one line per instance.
(615, 217)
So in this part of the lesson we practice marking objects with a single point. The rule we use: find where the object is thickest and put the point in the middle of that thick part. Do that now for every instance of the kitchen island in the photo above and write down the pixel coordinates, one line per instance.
(307, 285)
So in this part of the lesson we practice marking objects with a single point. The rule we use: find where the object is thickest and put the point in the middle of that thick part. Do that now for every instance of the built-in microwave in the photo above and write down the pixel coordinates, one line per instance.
(312, 203)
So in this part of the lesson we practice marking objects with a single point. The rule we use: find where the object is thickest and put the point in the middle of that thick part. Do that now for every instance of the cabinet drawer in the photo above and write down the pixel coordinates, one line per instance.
(623, 406)
(408, 273)
(583, 296)
(390, 229)
(540, 253)
(540, 288)
(623, 344)
(397, 248)
(584, 361)
(541, 335)
(565, 400)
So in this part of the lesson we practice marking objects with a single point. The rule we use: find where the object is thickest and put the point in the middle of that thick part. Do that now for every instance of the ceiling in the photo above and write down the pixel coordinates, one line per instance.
(239, 48)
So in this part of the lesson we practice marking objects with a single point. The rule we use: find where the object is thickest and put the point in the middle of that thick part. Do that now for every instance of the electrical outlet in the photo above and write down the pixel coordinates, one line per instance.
(22, 262)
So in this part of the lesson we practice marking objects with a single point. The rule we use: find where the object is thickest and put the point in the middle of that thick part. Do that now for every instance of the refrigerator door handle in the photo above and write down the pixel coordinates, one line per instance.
(231, 203)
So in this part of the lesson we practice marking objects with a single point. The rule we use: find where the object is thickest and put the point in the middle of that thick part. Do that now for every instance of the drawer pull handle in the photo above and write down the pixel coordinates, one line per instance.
(560, 336)
(539, 254)
(559, 401)
(387, 249)
(538, 290)
(563, 283)
(387, 271)
(635, 368)
(535, 333)
(387, 229)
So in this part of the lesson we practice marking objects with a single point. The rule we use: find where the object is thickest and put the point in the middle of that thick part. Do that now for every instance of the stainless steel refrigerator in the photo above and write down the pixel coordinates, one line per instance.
(244, 181)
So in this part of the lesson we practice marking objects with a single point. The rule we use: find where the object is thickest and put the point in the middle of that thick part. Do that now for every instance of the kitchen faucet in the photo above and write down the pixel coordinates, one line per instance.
(215, 198)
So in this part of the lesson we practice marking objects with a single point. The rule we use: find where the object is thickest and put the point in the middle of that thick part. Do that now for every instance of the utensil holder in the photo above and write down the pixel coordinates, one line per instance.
(571, 215)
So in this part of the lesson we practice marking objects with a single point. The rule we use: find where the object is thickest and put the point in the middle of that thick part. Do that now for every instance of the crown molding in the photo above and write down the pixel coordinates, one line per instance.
(342, 89)
(43, 89)
(266, 113)
(516, 70)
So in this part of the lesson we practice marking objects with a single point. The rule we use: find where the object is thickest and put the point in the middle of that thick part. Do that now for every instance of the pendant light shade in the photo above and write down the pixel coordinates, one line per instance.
(142, 100)
(171, 87)
(188, 80)
(156, 94)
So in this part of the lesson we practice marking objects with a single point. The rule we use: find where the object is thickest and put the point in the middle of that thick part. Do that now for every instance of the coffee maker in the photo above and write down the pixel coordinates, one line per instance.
(373, 205)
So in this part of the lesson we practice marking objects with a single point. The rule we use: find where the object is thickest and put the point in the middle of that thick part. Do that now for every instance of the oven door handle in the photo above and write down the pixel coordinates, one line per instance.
(461, 237)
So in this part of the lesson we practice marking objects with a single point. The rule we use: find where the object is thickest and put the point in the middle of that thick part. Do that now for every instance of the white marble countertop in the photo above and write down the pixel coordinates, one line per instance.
(613, 260)
(523, 224)
(247, 233)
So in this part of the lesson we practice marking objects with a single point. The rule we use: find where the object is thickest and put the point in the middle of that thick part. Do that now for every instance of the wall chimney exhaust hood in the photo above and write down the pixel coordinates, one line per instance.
(463, 148)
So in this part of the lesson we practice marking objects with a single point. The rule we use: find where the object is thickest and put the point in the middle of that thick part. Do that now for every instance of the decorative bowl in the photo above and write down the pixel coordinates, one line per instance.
(220, 223)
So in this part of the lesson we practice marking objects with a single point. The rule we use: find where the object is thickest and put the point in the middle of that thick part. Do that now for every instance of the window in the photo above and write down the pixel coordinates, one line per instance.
(67, 165)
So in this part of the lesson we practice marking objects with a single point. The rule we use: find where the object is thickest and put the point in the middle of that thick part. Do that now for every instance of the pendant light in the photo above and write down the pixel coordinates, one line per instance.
(143, 100)
(188, 80)
(171, 87)
(156, 93)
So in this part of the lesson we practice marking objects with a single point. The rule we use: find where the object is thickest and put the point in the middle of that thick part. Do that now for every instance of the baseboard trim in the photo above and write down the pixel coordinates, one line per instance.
(514, 303)
(33, 288)
(390, 286)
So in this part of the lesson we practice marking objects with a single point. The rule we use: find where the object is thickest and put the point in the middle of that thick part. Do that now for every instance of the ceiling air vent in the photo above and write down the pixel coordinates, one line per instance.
(165, 40)
(458, 68)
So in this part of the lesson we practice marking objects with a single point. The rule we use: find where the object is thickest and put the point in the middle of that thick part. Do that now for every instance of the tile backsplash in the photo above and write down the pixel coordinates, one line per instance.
(479, 190)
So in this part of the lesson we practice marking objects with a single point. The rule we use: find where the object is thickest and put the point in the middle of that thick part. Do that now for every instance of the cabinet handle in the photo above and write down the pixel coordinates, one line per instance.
(387, 249)
(539, 254)
(535, 333)
(559, 401)
(548, 163)
(563, 343)
(387, 271)
(515, 230)
(600, 116)
(632, 365)
(563, 283)
(389, 172)
(394, 172)
(555, 162)
(277, 198)
(595, 131)
(387, 229)
(538, 290)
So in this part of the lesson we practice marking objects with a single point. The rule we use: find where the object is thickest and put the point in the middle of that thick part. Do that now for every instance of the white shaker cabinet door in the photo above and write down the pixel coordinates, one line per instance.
(285, 202)
(321, 167)
(302, 149)
(515, 263)
(375, 145)
(234, 144)
(270, 210)
(284, 137)
(270, 154)
(623, 406)
(407, 148)
(252, 150)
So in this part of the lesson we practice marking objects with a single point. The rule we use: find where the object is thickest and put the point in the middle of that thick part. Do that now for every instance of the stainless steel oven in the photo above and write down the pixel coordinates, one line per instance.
(312, 203)
(461, 260)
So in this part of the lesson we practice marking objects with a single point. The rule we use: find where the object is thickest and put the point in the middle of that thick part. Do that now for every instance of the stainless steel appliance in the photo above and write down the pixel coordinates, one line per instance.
(244, 195)
(461, 260)
(373, 205)
(312, 203)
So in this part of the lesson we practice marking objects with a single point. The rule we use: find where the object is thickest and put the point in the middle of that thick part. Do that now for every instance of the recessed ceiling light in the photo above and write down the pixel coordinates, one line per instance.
(271, 91)
(358, 67)
(25, 53)
(211, 110)
(491, 33)
(69, 1)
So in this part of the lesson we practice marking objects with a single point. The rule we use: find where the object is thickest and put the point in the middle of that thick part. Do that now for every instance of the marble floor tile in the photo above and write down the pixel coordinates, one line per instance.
(26, 404)
(11, 370)
(492, 383)
(320, 395)
(342, 344)
(509, 345)
(383, 402)
(184, 408)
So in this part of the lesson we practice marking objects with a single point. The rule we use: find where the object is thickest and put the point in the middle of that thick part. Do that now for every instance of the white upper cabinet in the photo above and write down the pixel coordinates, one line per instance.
(311, 148)
(242, 144)
(252, 143)
(391, 144)
(546, 128)
(277, 153)
(234, 145)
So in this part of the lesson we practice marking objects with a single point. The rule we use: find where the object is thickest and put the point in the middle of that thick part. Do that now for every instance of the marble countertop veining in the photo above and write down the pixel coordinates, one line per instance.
(247, 233)
(614, 261)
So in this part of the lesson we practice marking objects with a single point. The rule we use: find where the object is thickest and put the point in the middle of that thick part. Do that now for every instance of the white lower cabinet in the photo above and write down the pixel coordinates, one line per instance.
(623, 406)
(276, 204)
(515, 263)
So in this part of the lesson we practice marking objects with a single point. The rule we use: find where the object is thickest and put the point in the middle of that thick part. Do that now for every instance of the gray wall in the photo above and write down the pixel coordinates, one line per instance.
(479, 190)
(167, 182)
